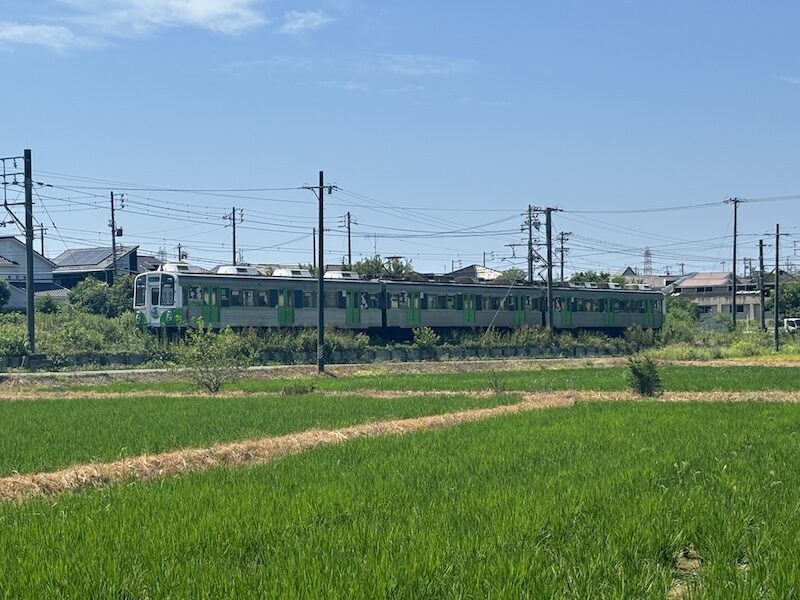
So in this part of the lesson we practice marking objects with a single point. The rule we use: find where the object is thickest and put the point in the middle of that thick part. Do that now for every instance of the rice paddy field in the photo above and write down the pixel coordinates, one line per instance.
(602, 496)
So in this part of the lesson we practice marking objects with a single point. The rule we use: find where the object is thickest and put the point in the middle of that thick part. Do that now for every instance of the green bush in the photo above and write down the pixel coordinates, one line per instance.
(46, 304)
(425, 338)
(643, 376)
(211, 358)
(13, 340)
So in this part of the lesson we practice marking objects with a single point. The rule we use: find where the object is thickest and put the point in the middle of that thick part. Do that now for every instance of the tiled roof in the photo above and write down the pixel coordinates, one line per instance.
(90, 258)
(6, 262)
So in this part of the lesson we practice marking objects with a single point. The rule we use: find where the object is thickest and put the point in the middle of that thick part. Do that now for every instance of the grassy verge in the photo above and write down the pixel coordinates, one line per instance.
(593, 502)
(48, 434)
(533, 379)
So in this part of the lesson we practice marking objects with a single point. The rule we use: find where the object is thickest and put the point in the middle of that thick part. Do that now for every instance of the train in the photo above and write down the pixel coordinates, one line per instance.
(178, 295)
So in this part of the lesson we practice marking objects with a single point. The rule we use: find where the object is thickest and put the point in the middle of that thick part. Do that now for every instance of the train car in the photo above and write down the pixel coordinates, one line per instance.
(608, 310)
(177, 299)
(177, 296)
(445, 305)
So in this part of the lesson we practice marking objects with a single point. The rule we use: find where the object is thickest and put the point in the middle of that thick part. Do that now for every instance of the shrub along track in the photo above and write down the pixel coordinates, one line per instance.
(261, 450)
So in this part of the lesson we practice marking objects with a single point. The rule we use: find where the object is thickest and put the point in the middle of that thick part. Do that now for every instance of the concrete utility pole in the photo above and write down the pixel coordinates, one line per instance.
(735, 202)
(347, 222)
(530, 244)
(233, 218)
(761, 284)
(321, 282)
(777, 283)
(42, 229)
(29, 280)
(314, 247)
(549, 226)
(562, 238)
(113, 238)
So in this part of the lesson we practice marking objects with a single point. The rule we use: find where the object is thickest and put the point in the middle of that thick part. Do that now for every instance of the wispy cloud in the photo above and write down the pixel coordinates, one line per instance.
(423, 64)
(55, 37)
(138, 16)
(789, 79)
(299, 21)
(87, 22)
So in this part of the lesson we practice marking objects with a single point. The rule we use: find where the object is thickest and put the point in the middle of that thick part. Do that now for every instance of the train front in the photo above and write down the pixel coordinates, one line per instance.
(156, 301)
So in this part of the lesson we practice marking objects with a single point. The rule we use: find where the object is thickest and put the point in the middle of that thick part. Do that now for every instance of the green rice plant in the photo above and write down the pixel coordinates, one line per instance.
(608, 496)
(643, 376)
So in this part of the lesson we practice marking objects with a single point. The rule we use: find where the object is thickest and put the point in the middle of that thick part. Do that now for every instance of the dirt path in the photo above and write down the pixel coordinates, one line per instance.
(239, 454)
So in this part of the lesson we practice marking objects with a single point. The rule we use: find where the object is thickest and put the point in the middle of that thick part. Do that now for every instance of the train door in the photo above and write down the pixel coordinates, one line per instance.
(648, 313)
(210, 299)
(519, 310)
(413, 311)
(608, 311)
(353, 308)
(566, 312)
(469, 309)
(285, 307)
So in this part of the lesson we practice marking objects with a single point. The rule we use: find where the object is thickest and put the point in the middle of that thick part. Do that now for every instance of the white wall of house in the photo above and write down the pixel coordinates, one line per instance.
(14, 250)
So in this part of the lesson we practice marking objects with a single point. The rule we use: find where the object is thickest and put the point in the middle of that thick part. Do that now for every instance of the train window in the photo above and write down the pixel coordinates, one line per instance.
(298, 299)
(195, 293)
(330, 299)
(248, 298)
(154, 296)
(451, 302)
(261, 298)
(185, 296)
(272, 297)
(167, 291)
(459, 302)
(657, 305)
(309, 299)
(374, 300)
(141, 292)
(236, 297)
(478, 303)
(558, 304)
(341, 299)
(224, 297)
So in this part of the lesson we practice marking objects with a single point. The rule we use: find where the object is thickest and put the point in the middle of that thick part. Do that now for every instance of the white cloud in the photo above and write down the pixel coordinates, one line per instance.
(297, 21)
(121, 17)
(55, 37)
(789, 79)
(423, 64)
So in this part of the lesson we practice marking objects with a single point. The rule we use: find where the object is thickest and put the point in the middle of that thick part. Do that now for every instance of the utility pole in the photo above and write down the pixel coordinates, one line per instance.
(347, 221)
(562, 238)
(314, 247)
(530, 244)
(682, 265)
(777, 281)
(735, 202)
(321, 282)
(27, 173)
(42, 229)
(549, 224)
(761, 283)
(113, 237)
(320, 190)
(29, 281)
(233, 218)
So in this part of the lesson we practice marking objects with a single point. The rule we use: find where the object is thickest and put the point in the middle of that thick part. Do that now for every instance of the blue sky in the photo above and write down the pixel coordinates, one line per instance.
(431, 117)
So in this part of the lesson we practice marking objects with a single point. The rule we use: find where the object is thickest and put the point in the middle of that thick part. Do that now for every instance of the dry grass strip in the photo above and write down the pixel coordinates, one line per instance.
(78, 477)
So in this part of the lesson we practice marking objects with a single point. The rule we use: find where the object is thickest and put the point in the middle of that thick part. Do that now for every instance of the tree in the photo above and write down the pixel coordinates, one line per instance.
(375, 268)
(788, 299)
(46, 304)
(98, 298)
(212, 359)
(590, 277)
(91, 295)
(5, 292)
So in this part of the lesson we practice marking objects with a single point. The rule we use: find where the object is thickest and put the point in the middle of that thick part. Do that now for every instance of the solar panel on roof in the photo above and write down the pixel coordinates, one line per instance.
(83, 256)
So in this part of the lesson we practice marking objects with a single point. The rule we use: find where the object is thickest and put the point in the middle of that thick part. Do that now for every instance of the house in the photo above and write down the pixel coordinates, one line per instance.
(75, 265)
(712, 293)
(474, 274)
(13, 261)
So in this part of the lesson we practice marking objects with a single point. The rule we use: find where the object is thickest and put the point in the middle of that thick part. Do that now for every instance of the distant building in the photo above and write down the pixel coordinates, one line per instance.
(77, 264)
(474, 274)
(712, 293)
(13, 261)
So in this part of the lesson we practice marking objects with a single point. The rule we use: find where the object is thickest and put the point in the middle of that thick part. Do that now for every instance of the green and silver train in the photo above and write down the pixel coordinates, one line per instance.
(175, 297)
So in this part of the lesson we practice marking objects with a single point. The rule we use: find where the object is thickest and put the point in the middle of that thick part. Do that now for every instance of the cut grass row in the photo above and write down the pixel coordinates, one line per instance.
(593, 502)
(533, 379)
(45, 435)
